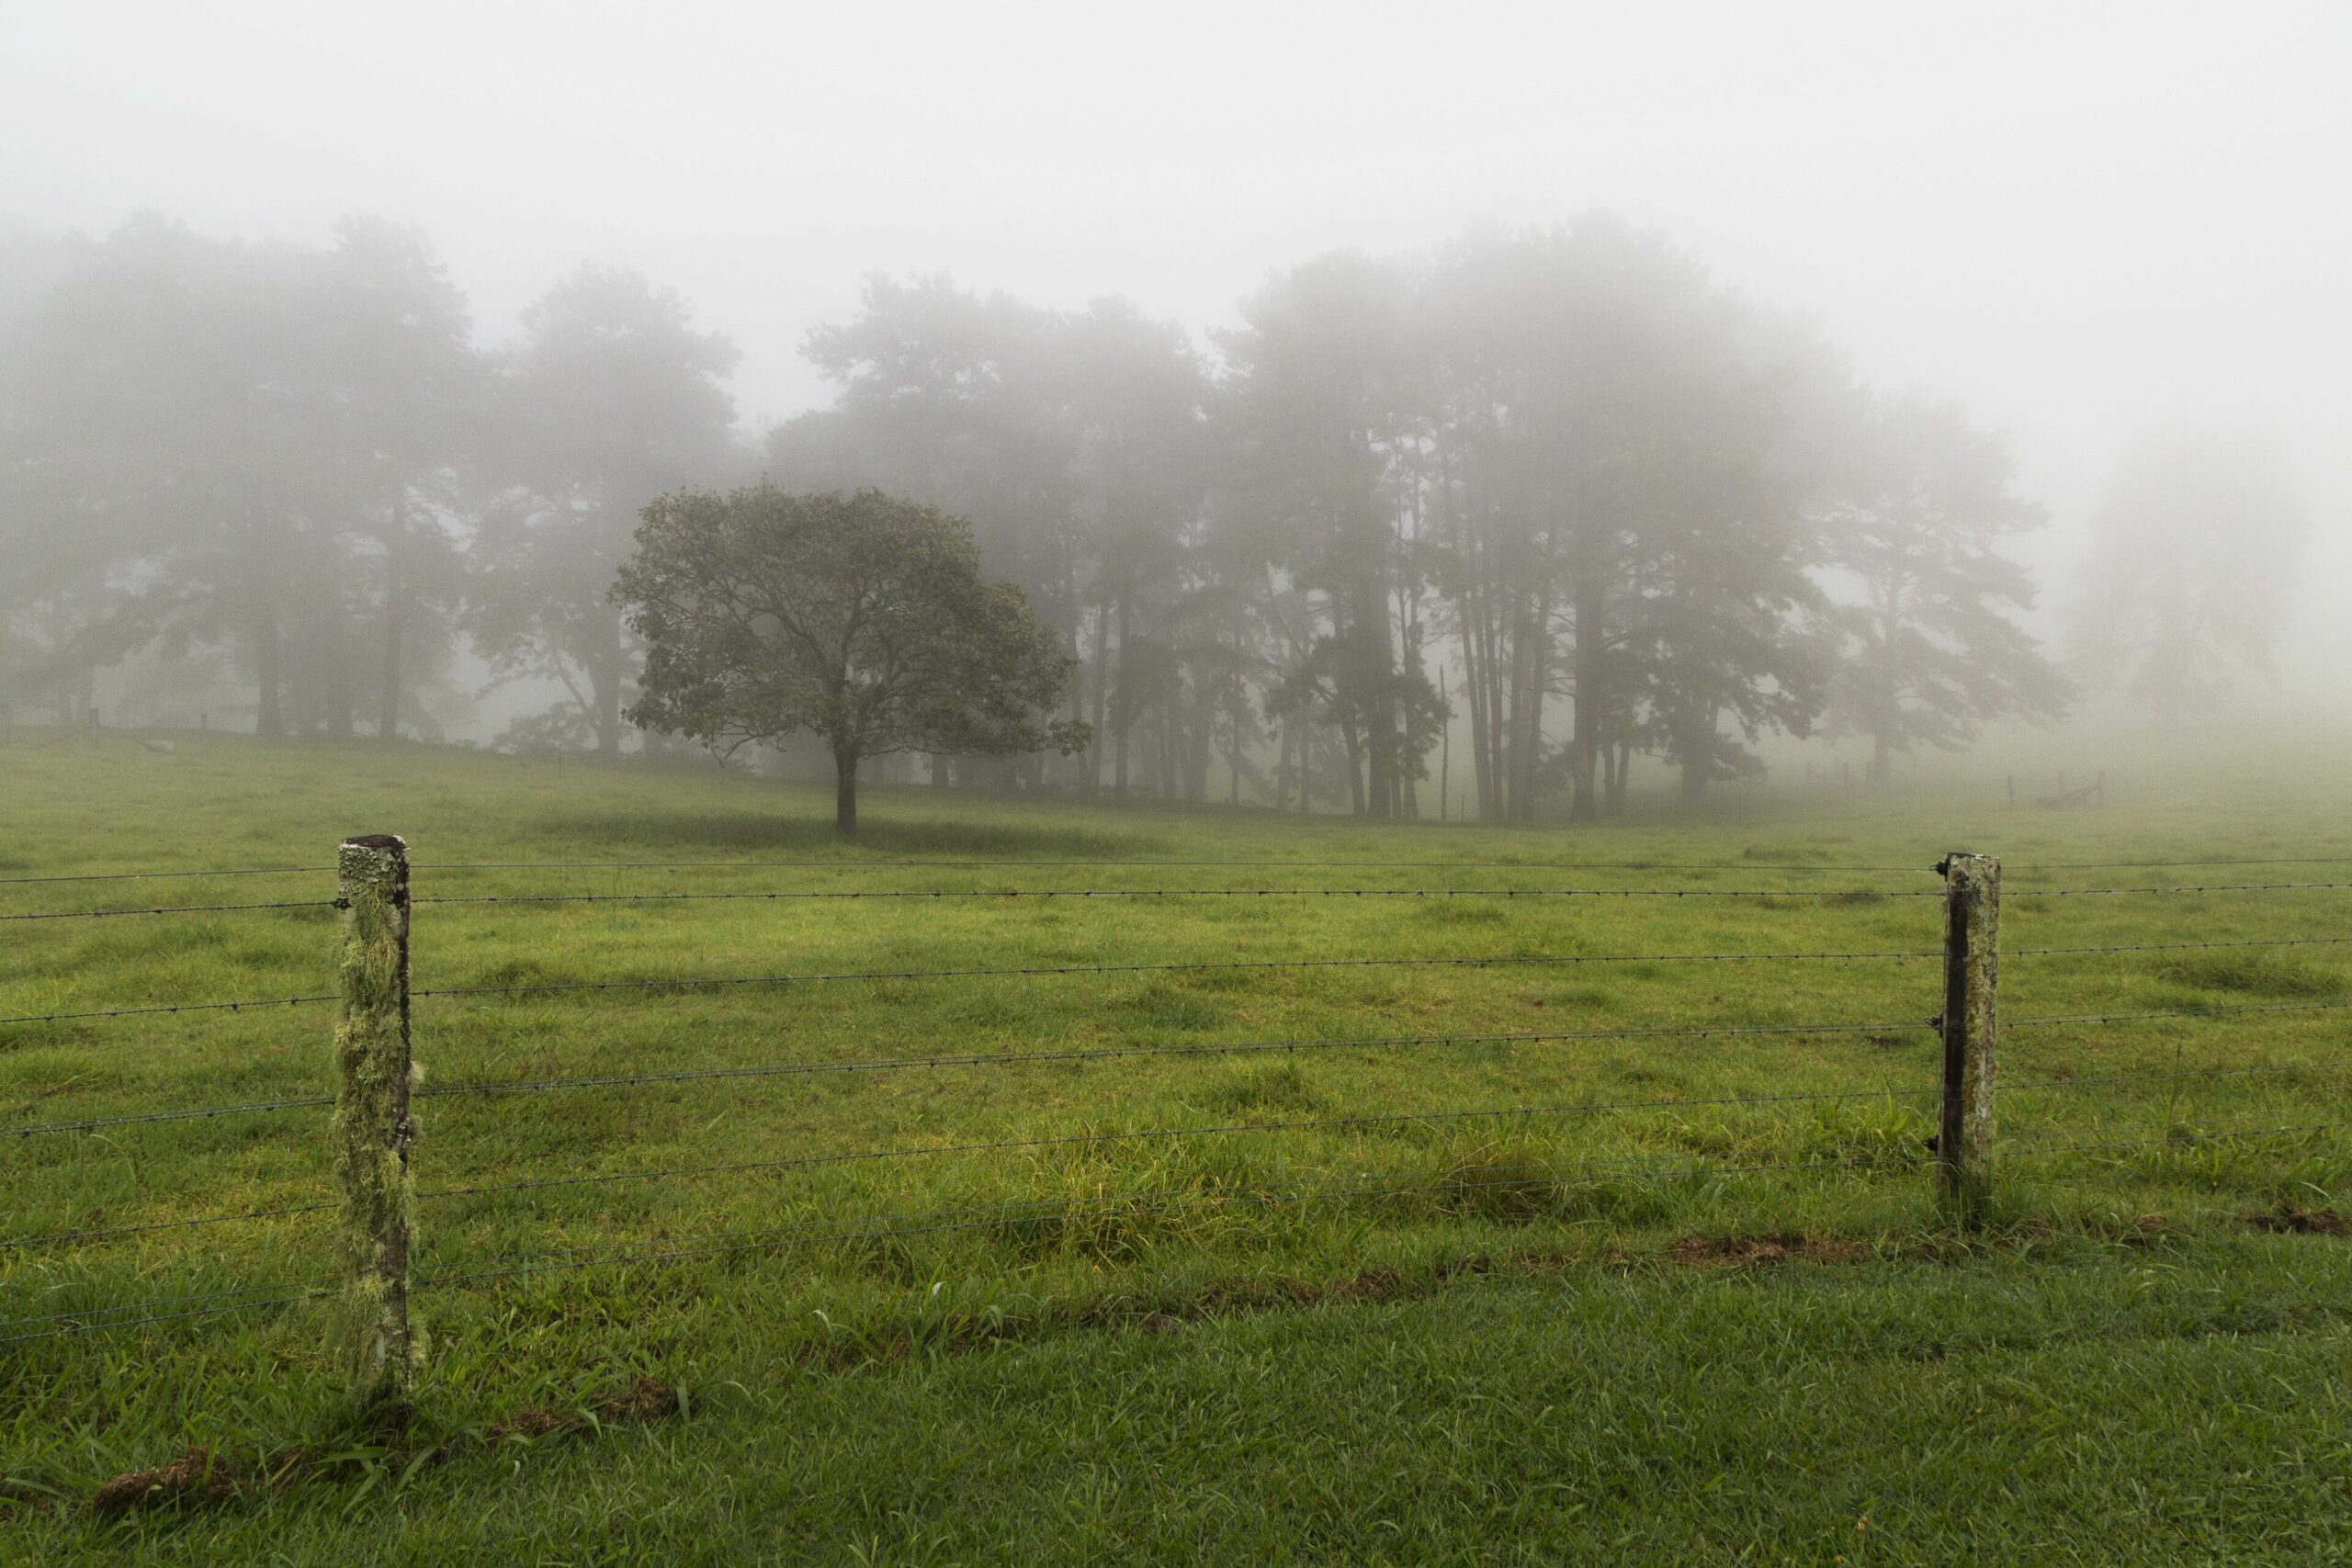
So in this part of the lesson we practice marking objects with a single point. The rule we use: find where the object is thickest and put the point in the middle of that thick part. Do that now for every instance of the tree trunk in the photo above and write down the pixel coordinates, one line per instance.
(1101, 697)
(1381, 744)
(270, 710)
(1583, 746)
(607, 670)
(1126, 715)
(339, 698)
(846, 793)
(387, 701)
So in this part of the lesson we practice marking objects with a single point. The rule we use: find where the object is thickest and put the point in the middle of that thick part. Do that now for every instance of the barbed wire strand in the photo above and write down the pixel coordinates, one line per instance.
(90, 1320)
(1488, 961)
(988, 1146)
(239, 1295)
(983, 1217)
(60, 1238)
(1001, 1058)
(161, 875)
(92, 1125)
(1808, 868)
(823, 894)
(1230, 1129)
(2174, 946)
(1108, 1053)
(78, 1321)
(973, 1217)
(108, 1324)
(2186, 1138)
(175, 909)
(2044, 1083)
(251, 1005)
(2178, 865)
(2047, 1021)
(689, 981)
(2209, 887)
(2061, 1085)
(1549, 866)
(1496, 961)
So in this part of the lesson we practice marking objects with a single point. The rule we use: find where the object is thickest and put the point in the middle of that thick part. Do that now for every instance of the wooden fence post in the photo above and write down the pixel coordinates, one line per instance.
(371, 1126)
(1972, 958)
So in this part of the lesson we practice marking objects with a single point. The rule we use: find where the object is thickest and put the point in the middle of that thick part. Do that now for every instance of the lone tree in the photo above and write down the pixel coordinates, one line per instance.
(861, 619)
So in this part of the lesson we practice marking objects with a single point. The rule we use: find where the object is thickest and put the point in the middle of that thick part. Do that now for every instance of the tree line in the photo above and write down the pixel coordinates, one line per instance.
(1557, 489)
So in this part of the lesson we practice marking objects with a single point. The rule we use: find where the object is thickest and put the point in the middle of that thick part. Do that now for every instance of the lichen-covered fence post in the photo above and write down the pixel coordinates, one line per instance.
(1972, 960)
(372, 1129)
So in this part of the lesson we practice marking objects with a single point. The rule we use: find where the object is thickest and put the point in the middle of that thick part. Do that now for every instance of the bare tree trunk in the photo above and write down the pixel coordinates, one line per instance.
(339, 697)
(1101, 697)
(1585, 740)
(1126, 718)
(1380, 740)
(846, 793)
(269, 713)
(388, 701)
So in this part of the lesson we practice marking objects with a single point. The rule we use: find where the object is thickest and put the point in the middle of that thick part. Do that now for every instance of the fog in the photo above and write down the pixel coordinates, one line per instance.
(2079, 224)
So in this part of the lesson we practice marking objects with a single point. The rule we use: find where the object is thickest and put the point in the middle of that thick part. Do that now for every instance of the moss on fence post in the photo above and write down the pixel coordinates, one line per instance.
(372, 1127)
(1971, 977)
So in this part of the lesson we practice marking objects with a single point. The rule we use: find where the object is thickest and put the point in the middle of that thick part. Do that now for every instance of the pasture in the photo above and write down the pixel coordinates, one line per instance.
(1409, 1210)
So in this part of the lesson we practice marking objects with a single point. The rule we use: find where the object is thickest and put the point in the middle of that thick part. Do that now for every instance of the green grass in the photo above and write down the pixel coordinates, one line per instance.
(1462, 1338)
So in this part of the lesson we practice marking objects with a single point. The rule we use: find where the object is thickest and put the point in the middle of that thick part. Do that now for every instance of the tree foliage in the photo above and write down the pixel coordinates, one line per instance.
(861, 619)
(2195, 551)
(1916, 513)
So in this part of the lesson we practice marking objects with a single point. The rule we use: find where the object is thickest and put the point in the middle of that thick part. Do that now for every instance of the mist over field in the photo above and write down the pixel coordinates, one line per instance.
(882, 784)
(1534, 400)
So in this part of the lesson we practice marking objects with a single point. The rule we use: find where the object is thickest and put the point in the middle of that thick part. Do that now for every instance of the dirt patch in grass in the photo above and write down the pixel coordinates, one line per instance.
(200, 1475)
(1749, 1251)
(2293, 1219)
(203, 1476)
(647, 1400)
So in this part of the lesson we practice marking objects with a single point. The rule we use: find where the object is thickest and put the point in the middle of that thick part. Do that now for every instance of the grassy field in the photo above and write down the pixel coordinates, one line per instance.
(1288, 1302)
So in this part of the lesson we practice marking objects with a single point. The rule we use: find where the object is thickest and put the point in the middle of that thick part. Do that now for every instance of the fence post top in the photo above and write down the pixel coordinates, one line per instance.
(390, 842)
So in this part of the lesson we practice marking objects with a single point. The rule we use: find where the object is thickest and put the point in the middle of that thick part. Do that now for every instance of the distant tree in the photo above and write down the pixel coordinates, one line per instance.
(1321, 410)
(216, 447)
(1608, 528)
(861, 619)
(1074, 444)
(409, 388)
(1915, 518)
(612, 400)
(2186, 586)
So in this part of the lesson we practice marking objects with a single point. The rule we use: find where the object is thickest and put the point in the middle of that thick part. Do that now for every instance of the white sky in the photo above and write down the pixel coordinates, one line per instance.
(2077, 218)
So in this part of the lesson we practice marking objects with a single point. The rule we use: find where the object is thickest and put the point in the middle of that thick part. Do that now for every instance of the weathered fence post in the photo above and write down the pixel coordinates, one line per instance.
(371, 1126)
(1972, 956)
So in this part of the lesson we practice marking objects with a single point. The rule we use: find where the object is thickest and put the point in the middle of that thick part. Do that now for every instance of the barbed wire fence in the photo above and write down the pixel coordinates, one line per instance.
(370, 1111)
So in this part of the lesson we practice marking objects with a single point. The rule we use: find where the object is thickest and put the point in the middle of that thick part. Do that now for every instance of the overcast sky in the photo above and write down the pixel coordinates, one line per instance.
(2077, 218)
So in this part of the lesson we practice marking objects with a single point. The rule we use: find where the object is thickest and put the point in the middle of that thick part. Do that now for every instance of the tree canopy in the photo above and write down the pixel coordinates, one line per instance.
(861, 619)
(2196, 547)
(1612, 508)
